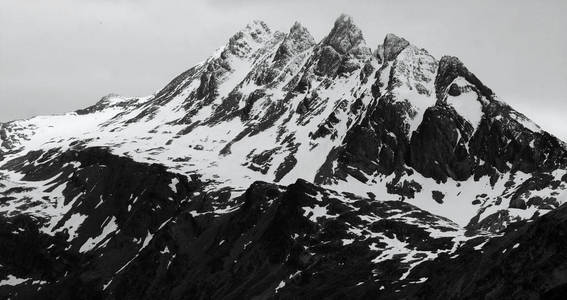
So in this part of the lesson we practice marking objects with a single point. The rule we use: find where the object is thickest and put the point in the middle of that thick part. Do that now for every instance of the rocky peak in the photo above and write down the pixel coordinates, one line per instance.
(392, 46)
(257, 28)
(299, 39)
(450, 68)
(255, 32)
(299, 33)
(346, 37)
(297, 27)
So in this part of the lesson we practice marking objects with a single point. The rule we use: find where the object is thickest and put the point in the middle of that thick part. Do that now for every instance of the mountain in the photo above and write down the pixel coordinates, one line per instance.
(283, 167)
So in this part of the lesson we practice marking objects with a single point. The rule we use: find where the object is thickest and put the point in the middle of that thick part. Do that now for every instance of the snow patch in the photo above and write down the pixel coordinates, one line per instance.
(109, 228)
(173, 184)
(13, 280)
(468, 107)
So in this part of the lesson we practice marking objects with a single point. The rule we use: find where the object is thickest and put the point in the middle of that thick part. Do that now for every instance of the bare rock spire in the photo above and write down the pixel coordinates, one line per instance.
(393, 45)
(346, 38)
(299, 39)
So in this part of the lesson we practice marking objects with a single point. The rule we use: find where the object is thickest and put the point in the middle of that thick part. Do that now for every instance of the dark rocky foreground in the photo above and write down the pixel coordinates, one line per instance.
(528, 261)
(299, 241)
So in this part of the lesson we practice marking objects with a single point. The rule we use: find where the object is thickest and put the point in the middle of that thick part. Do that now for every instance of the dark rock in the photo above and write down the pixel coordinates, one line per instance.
(250, 100)
(495, 222)
(348, 66)
(454, 90)
(366, 72)
(303, 85)
(285, 167)
(543, 203)
(227, 109)
(261, 162)
(450, 68)
(208, 86)
(346, 37)
(393, 45)
(518, 203)
(242, 254)
(104, 186)
(299, 39)
(404, 189)
(438, 196)
(329, 61)
(237, 46)
(536, 200)
(342, 51)
(326, 128)
(438, 147)
(500, 140)
(514, 266)
(304, 106)
(380, 138)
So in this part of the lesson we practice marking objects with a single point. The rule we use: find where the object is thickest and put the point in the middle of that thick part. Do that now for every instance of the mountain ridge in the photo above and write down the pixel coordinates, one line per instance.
(383, 151)
(411, 86)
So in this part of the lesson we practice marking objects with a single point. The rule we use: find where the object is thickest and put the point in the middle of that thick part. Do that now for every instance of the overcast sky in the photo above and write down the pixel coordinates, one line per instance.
(61, 55)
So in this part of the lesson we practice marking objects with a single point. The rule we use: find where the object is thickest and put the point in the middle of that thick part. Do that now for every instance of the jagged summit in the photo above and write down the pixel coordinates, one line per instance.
(450, 67)
(344, 18)
(297, 27)
(393, 45)
(257, 27)
(342, 51)
(300, 32)
(299, 39)
(257, 30)
(345, 37)
(253, 34)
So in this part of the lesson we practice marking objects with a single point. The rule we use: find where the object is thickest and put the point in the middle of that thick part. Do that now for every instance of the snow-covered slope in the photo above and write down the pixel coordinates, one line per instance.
(394, 123)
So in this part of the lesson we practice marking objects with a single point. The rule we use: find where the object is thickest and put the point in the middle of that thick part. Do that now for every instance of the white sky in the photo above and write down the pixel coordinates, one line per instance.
(61, 55)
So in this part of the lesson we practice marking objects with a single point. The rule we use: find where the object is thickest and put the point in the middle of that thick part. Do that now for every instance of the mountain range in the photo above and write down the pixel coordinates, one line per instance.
(283, 168)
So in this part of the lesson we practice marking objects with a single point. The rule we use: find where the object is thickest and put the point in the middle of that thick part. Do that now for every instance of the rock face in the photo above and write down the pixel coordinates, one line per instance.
(391, 154)
(281, 244)
(167, 240)
(450, 68)
(298, 40)
(343, 50)
(117, 202)
(527, 262)
(346, 38)
(393, 45)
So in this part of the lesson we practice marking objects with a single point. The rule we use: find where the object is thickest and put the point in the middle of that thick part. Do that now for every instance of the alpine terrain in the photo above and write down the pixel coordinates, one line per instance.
(282, 167)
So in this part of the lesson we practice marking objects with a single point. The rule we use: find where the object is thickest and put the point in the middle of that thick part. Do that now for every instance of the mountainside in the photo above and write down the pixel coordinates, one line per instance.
(285, 167)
